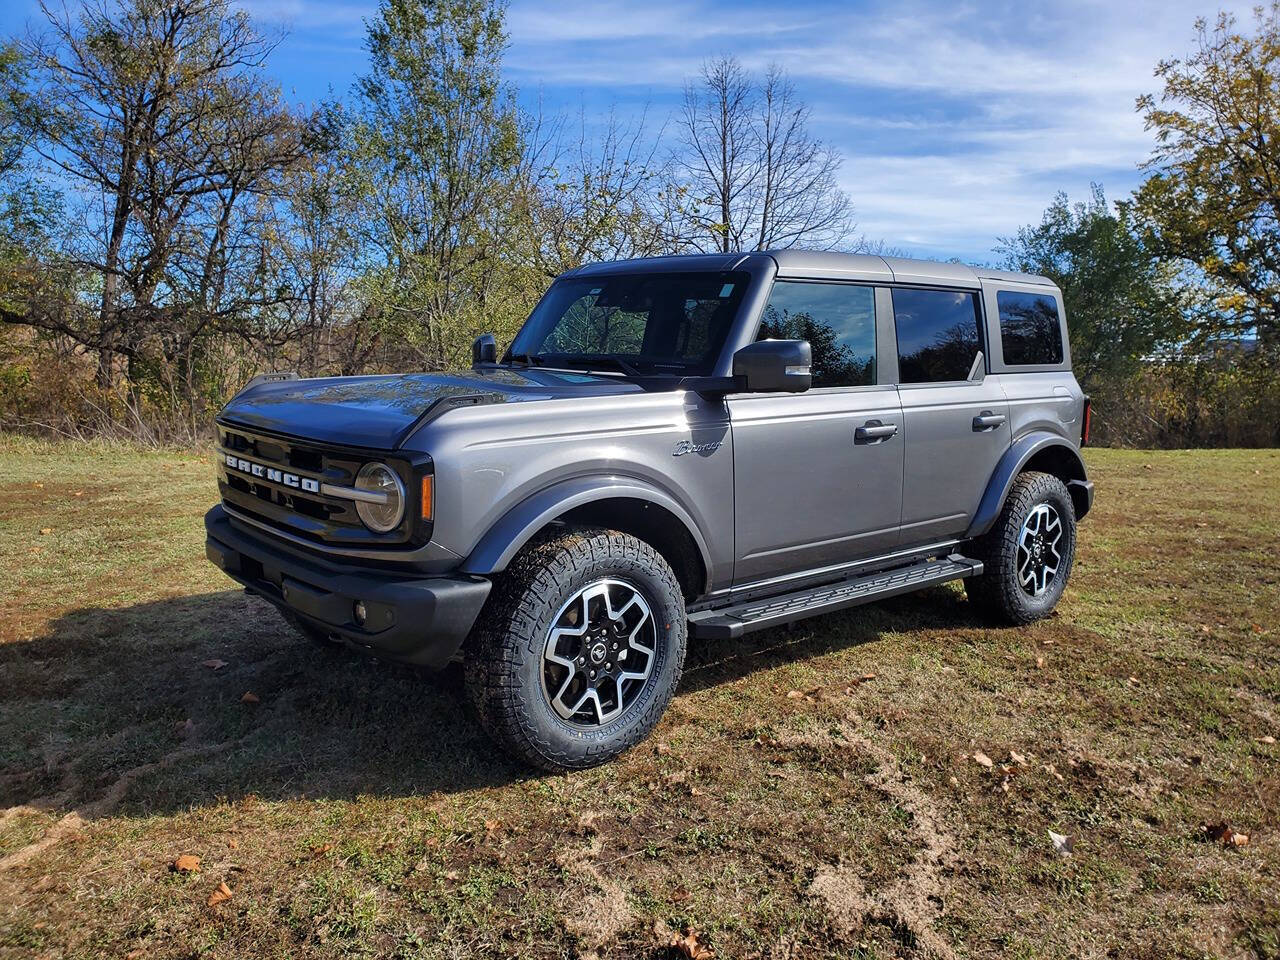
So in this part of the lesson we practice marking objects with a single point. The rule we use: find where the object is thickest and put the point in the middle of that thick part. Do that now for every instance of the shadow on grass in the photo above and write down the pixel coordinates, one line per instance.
(133, 702)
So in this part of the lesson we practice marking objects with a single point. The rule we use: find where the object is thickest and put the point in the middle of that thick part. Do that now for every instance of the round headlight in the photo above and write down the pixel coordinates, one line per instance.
(386, 515)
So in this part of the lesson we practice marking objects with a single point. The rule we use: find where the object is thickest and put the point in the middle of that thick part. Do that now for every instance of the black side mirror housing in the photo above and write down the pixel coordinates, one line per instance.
(484, 350)
(774, 366)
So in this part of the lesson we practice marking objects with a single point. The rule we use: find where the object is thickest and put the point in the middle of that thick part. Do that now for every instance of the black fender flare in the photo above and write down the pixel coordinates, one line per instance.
(505, 538)
(1014, 461)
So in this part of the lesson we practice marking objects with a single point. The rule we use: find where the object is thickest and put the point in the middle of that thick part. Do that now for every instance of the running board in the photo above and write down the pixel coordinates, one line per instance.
(729, 623)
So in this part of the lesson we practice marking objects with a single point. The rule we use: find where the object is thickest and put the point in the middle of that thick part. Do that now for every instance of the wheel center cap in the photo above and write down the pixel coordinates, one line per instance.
(598, 652)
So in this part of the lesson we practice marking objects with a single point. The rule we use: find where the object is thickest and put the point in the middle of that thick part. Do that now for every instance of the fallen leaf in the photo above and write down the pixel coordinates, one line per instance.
(984, 760)
(1134, 681)
(220, 895)
(1257, 628)
(794, 694)
(1062, 845)
(1223, 833)
(953, 781)
(321, 849)
(492, 826)
(79, 493)
(187, 863)
(1017, 758)
(680, 896)
(1053, 772)
(214, 664)
(1267, 739)
(1039, 663)
(249, 698)
(868, 676)
(662, 749)
(45, 531)
(233, 843)
(691, 947)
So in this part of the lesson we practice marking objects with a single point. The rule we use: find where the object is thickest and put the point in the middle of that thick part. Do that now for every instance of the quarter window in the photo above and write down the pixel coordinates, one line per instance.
(838, 320)
(1030, 331)
(938, 334)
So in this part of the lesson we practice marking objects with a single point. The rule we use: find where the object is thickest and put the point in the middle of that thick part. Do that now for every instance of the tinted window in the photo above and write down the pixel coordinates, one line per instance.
(1029, 328)
(654, 321)
(838, 320)
(937, 334)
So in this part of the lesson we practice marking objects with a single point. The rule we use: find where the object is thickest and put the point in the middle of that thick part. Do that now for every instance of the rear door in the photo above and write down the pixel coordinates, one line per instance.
(818, 475)
(956, 418)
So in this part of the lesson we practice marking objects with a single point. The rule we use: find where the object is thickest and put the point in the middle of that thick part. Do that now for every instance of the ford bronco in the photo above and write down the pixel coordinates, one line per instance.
(685, 446)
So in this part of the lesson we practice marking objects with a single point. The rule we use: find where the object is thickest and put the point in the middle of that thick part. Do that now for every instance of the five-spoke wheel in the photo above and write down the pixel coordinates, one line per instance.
(1039, 555)
(580, 648)
(599, 653)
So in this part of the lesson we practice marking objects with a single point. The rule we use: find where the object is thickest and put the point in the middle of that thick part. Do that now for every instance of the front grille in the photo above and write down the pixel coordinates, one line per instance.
(278, 482)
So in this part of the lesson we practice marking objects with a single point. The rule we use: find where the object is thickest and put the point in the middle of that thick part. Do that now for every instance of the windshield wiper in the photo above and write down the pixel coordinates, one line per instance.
(592, 359)
(528, 359)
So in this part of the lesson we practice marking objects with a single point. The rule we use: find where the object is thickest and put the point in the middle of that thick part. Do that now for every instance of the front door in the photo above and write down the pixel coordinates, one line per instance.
(818, 475)
(956, 419)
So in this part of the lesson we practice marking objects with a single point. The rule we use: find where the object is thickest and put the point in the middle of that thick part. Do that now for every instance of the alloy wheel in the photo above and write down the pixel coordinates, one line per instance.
(1039, 554)
(599, 654)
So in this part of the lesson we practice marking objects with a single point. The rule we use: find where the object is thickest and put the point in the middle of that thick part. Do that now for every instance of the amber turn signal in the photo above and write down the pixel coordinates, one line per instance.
(428, 496)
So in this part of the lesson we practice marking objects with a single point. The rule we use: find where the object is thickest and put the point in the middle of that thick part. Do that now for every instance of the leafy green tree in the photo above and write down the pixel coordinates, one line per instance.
(1122, 302)
(1212, 201)
(438, 148)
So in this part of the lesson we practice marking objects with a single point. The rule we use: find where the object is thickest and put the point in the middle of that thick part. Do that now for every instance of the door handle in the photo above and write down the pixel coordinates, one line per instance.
(873, 431)
(988, 421)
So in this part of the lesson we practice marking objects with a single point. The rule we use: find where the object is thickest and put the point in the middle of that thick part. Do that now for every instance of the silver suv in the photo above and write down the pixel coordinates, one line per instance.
(704, 445)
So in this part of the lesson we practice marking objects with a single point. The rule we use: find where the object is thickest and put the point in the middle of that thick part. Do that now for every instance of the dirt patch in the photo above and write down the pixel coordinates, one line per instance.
(913, 904)
(602, 916)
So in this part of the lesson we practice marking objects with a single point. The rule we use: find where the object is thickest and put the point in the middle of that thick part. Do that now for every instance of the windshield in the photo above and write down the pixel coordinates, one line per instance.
(647, 323)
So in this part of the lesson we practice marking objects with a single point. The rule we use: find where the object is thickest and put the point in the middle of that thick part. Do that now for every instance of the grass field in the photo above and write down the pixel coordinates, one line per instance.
(811, 792)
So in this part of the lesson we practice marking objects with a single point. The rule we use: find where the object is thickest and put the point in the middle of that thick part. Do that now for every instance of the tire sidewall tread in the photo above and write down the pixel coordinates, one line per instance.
(997, 591)
(503, 658)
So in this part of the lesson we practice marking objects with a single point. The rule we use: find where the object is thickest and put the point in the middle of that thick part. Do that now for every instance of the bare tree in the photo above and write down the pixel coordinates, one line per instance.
(754, 176)
(593, 194)
(157, 115)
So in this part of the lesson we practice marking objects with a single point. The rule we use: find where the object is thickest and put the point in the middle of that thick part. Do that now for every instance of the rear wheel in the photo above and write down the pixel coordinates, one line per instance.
(1027, 554)
(580, 649)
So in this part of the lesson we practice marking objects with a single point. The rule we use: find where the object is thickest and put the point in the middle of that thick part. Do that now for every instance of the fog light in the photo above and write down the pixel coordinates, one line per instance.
(359, 612)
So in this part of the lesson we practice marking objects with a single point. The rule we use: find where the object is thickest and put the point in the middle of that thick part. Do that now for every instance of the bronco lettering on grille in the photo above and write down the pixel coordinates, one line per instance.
(271, 474)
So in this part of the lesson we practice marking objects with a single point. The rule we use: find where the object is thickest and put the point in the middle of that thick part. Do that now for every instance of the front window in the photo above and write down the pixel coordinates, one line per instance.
(652, 323)
(838, 320)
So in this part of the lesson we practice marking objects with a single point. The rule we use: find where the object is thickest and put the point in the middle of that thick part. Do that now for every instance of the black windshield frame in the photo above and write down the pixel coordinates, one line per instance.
(646, 323)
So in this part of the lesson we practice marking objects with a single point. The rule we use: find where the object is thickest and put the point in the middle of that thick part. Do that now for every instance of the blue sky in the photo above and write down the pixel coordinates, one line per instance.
(958, 121)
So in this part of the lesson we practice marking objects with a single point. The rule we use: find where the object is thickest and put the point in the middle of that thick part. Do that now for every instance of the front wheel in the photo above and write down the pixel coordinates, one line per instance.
(1027, 554)
(579, 650)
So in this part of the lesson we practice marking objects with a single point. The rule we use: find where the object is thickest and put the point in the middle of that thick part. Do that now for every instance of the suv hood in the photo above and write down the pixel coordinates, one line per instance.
(380, 412)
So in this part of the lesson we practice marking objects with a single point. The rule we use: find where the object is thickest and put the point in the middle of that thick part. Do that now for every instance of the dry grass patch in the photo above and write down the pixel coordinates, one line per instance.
(786, 807)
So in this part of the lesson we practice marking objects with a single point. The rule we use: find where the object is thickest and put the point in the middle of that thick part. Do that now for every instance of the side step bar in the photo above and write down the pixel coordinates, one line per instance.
(729, 623)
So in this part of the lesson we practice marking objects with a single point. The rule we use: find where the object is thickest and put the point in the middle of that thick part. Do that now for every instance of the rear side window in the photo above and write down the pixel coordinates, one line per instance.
(1030, 331)
(938, 334)
(838, 320)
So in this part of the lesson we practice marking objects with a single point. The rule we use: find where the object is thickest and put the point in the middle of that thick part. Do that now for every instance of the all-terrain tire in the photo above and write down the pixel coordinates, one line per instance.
(999, 592)
(503, 659)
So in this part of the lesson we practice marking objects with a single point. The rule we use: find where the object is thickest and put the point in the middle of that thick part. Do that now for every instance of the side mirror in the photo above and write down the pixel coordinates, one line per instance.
(484, 350)
(774, 366)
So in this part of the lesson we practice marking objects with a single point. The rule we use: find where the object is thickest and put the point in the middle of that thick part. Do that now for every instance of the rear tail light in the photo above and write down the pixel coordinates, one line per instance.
(1088, 420)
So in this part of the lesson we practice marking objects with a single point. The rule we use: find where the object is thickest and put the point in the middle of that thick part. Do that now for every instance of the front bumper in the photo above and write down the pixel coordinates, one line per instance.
(421, 620)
